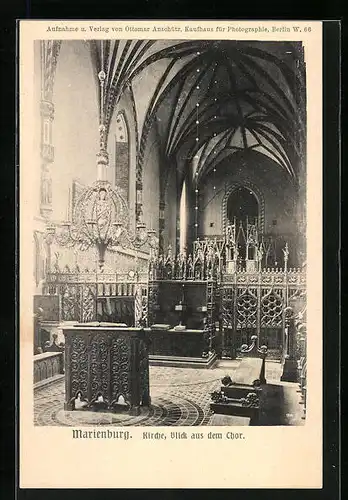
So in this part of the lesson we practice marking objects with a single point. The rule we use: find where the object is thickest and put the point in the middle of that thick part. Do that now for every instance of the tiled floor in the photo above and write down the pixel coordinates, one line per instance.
(180, 397)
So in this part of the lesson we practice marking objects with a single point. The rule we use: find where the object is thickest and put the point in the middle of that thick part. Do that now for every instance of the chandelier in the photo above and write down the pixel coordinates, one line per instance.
(101, 219)
(101, 214)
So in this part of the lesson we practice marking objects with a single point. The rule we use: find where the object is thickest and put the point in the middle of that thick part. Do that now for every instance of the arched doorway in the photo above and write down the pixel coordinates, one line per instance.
(242, 204)
(242, 209)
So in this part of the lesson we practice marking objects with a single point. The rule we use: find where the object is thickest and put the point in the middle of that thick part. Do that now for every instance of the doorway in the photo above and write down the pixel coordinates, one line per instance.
(242, 208)
(242, 204)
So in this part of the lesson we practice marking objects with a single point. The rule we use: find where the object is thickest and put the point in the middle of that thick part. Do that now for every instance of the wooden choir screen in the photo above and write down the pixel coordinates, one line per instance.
(254, 304)
(88, 296)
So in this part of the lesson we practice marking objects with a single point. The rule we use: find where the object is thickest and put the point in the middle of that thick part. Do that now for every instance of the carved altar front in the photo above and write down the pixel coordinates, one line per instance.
(103, 363)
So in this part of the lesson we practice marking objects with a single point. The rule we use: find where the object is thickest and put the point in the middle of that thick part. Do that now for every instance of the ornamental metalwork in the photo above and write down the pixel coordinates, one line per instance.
(272, 306)
(246, 308)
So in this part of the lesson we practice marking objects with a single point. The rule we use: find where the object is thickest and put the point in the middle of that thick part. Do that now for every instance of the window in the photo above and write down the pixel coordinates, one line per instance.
(241, 204)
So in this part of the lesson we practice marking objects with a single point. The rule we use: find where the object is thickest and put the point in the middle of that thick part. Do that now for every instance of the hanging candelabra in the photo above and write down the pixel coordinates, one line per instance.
(101, 220)
(101, 214)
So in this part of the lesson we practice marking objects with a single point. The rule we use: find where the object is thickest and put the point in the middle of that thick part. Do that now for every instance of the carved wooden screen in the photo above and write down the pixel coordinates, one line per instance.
(70, 296)
(246, 315)
(246, 308)
(272, 305)
(228, 307)
(254, 304)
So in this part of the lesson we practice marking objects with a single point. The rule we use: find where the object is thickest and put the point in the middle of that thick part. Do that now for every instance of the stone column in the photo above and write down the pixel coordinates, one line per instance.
(48, 55)
(191, 198)
(47, 158)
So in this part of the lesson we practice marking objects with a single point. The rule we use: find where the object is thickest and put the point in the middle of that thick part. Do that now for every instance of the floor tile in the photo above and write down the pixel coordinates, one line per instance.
(179, 397)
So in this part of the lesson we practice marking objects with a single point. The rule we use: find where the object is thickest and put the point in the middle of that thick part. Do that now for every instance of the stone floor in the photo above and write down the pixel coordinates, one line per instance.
(180, 397)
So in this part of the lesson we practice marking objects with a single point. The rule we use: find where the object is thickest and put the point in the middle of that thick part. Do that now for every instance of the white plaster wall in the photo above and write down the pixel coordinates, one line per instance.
(151, 181)
(75, 127)
(279, 195)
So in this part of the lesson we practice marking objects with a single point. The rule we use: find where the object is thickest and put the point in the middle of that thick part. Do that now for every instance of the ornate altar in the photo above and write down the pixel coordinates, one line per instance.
(242, 295)
(182, 294)
(103, 363)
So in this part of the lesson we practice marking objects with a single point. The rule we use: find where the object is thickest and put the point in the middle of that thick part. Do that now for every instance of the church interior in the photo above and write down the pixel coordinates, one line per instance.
(169, 237)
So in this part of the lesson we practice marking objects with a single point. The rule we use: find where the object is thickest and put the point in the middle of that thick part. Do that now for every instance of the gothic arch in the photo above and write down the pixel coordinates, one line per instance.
(122, 153)
(256, 192)
(121, 120)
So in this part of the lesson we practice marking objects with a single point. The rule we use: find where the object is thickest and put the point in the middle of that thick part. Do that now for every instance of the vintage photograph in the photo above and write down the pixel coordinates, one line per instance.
(170, 233)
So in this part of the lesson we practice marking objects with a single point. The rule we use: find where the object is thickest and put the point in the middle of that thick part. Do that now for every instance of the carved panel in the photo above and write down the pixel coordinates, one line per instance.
(103, 364)
(120, 363)
(79, 366)
(272, 304)
(246, 310)
(228, 307)
(152, 303)
(70, 302)
(99, 367)
(143, 372)
(88, 303)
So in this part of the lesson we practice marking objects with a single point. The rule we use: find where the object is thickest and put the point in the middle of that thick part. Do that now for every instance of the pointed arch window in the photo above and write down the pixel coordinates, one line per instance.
(242, 204)
(122, 154)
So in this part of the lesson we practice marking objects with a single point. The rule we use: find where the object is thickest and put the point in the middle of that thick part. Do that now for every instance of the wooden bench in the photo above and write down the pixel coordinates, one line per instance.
(240, 396)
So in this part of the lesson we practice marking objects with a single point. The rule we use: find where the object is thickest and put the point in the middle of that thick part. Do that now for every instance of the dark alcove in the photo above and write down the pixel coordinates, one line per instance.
(241, 204)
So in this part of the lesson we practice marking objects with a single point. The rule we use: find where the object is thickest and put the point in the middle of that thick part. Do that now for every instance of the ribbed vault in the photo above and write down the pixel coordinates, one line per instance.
(230, 97)
(213, 98)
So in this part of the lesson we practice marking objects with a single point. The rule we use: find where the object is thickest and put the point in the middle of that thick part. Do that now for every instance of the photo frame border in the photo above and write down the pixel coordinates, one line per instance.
(332, 210)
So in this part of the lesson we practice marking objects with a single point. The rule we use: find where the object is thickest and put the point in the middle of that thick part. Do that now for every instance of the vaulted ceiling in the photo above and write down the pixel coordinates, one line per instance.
(211, 99)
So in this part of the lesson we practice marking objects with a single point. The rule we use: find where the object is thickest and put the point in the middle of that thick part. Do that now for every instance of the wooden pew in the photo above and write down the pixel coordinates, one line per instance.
(240, 396)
